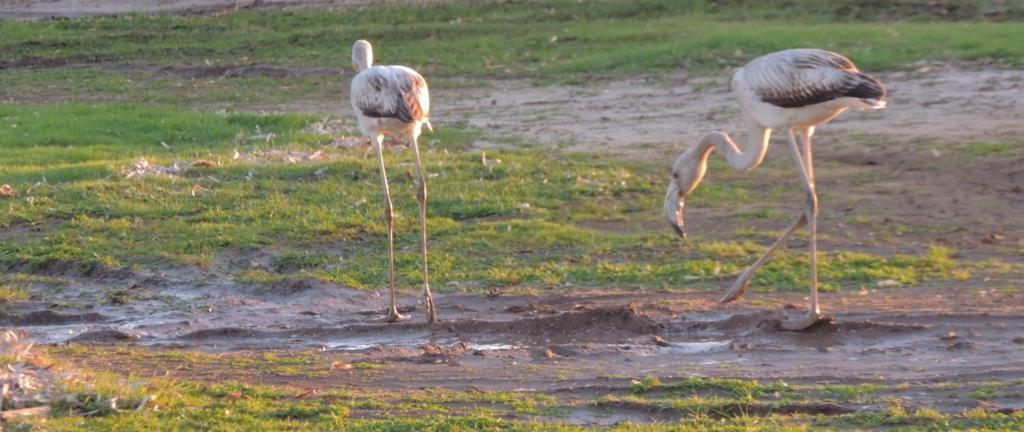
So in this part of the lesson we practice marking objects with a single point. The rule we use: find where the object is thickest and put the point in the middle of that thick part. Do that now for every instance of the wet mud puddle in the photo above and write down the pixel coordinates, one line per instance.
(911, 334)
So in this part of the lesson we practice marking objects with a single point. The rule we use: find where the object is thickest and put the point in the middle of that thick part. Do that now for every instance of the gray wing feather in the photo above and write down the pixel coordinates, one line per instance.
(801, 77)
(392, 92)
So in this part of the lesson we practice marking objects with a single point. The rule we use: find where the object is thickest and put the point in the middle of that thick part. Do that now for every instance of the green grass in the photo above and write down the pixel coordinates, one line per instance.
(553, 40)
(11, 294)
(498, 38)
(70, 160)
(851, 392)
(177, 402)
(986, 392)
(982, 149)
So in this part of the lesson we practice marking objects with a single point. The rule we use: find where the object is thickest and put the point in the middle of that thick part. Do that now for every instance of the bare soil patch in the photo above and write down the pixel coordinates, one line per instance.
(53, 62)
(50, 318)
(227, 71)
(647, 116)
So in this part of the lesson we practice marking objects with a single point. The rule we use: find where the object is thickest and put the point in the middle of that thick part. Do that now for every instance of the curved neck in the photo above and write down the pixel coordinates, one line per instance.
(740, 159)
(691, 166)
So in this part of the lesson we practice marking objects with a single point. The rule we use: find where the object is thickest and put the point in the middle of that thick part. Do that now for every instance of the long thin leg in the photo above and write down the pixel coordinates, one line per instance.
(389, 218)
(812, 224)
(421, 196)
(806, 168)
(808, 156)
(743, 281)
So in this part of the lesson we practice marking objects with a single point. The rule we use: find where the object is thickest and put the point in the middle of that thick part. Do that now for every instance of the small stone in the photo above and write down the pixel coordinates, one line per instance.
(564, 350)
(431, 348)
(740, 346)
(659, 341)
(962, 345)
(992, 238)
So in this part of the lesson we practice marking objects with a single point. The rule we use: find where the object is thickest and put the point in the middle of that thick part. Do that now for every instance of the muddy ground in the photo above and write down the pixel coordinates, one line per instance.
(572, 345)
(882, 334)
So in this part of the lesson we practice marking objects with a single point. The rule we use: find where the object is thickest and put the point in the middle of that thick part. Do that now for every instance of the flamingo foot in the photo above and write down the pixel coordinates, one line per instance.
(431, 314)
(738, 288)
(393, 316)
(806, 322)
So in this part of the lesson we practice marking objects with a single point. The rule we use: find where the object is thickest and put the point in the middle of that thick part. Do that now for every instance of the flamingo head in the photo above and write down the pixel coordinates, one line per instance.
(362, 55)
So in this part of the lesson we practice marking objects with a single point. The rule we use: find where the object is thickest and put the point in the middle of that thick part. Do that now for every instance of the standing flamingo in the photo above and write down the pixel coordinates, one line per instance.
(795, 91)
(393, 100)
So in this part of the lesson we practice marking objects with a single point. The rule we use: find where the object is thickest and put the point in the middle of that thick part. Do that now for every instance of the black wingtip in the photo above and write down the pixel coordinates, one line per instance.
(867, 88)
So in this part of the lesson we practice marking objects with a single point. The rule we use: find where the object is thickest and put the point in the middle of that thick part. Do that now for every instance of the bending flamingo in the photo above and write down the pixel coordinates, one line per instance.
(795, 91)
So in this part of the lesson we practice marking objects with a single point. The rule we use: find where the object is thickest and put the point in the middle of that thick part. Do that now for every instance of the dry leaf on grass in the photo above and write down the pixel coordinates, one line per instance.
(26, 381)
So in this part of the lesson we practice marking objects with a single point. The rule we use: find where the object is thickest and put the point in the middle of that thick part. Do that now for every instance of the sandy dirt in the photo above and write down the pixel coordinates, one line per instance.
(932, 103)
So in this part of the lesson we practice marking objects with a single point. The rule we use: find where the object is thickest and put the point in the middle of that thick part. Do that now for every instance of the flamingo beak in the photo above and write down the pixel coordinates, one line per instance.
(674, 204)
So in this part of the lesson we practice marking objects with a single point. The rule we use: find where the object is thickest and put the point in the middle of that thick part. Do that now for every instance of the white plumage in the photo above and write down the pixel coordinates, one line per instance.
(795, 91)
(393, 101)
